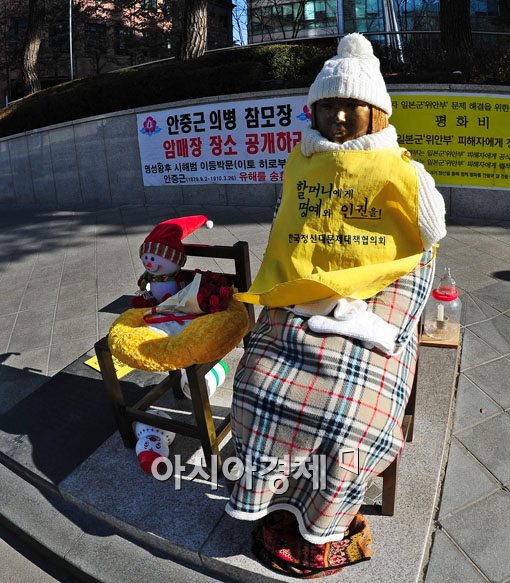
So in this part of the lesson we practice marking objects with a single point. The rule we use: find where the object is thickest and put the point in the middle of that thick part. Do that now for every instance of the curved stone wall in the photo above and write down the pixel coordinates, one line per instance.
(96, 161)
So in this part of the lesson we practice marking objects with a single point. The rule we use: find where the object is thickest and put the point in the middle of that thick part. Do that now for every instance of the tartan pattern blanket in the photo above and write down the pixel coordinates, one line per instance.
(314, 417)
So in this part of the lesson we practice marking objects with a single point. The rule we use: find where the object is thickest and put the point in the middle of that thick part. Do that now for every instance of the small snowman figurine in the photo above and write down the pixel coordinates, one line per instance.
(152, 441)
(162, 254)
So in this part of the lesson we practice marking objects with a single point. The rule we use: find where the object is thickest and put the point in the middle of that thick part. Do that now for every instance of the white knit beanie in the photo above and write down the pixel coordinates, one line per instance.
(353, 73)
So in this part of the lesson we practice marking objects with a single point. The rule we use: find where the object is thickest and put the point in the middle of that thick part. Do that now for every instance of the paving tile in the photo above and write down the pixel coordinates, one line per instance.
(195, 507)
(449, 565)
(45, 271)
(494, 379)
(120, 282)
(496, 295)
(373, 495)
(460, 259)
(134, 560)
(23, 340)
(76, 250)
(77, 274)
(72, 328)
(41, 281)
(494, 247)
(465, 235)
(488, 442)
(17, 384)
(498, 232)
(6, 325)
(28, 319)
(118, 269)
(496, 332)
(475, 310)
(449, 244)
(472, 405)
(109, 296)
(72, 290)
(258, 251)
(9, 302)
(105, 320)
(79, 306)
(475, 351)
(472, 280)
(34, 298)
(482, 531)
(466, 480)
(52, 259)
(35, 360)
(63, 353)
(38, 513)
(216, 236)
(24, 250)
(114, 262)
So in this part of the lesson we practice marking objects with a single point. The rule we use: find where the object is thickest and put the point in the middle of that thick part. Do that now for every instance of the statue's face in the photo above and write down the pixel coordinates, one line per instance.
(340, 120)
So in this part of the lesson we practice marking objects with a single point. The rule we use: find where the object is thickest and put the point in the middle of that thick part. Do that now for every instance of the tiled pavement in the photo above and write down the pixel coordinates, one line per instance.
(472, 538)
(58, 270)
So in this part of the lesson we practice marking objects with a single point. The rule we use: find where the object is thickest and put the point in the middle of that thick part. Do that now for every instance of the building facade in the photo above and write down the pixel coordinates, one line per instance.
(105, 36)
(283, 19)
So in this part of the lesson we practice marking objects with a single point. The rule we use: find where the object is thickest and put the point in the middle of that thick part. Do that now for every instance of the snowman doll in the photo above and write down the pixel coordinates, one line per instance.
(152, 441)
(162, 254)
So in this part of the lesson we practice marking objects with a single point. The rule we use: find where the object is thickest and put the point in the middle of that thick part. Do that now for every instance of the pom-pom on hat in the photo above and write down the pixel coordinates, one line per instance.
(165, 240)
(353, 73)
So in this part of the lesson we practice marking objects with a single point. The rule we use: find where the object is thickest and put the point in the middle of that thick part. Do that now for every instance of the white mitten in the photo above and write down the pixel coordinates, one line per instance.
(318, 308)
(347, 309)
(371, 329)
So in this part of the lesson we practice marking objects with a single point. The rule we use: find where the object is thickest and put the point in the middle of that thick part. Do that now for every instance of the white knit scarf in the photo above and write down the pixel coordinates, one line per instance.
(312, 142)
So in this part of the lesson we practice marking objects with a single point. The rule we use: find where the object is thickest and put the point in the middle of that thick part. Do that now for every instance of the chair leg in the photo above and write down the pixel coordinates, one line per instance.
(411, 405)
(203, 414)
(389, 492)
(112, 385)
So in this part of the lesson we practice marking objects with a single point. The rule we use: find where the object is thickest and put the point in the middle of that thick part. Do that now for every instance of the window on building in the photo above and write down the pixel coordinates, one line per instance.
(58, 35)
(95, 36)
(18, 27)
(282, 17)
(122, 37)
(168, 8)
(309, 10)
(219, 16)
(287, 10)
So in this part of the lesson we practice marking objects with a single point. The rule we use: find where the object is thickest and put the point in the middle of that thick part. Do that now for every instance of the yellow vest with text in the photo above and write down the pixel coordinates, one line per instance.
(347, 226)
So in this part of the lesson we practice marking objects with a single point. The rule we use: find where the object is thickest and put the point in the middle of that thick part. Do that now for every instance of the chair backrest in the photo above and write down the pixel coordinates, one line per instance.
(239, 253)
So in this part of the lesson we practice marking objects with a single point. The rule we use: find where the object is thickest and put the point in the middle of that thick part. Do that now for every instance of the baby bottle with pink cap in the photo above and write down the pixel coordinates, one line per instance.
(442, 313)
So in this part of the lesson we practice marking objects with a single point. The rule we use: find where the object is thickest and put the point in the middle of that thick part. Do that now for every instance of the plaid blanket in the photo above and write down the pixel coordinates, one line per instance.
(314, 417)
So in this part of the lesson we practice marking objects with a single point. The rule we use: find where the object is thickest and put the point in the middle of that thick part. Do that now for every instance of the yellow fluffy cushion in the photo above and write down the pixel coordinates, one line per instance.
(207, 338)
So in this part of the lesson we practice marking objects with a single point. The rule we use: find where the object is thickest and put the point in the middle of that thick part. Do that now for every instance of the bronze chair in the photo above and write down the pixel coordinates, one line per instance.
(389, 475)
(204, 428)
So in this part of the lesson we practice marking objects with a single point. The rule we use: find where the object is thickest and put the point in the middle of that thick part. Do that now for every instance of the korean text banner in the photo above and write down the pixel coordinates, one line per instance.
(462, 139)
(243, 142)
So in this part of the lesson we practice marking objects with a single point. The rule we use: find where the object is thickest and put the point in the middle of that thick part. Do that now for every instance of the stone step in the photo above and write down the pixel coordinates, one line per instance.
(108, 521)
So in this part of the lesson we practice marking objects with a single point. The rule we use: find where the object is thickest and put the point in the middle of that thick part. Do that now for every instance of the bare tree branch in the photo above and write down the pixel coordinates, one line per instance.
(240, 21)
